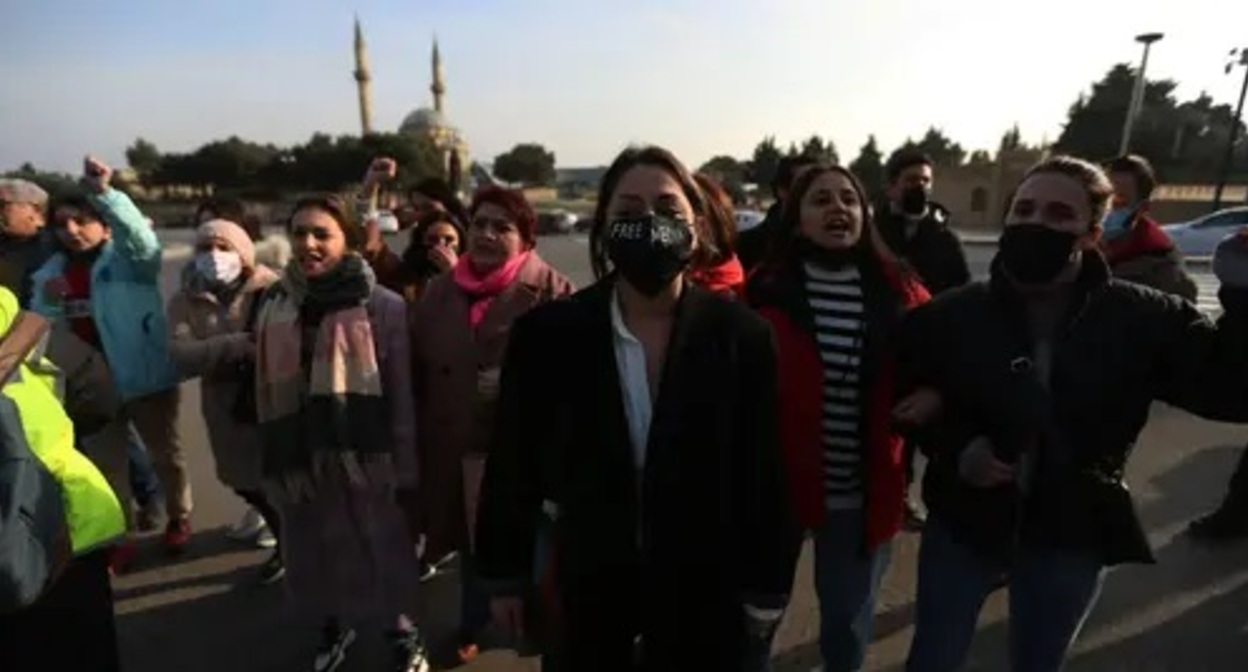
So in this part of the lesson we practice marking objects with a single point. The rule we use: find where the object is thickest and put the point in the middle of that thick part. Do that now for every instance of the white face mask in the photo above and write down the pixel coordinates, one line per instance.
(220, 266)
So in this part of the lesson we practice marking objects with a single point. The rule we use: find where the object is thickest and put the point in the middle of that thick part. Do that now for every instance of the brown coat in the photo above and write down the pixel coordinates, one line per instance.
(207, 340)
(456, 373)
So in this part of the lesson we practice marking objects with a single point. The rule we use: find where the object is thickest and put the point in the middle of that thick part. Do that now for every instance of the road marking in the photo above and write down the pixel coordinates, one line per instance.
(1207, 298)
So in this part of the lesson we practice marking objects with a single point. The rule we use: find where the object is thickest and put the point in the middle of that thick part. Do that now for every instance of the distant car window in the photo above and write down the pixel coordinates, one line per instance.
(1221, 220)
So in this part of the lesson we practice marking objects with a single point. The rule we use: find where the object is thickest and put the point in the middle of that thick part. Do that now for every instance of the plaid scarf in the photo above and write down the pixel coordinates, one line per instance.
(319, 398)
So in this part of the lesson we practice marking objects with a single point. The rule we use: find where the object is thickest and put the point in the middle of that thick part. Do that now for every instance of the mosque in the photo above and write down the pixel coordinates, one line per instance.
(424, 122)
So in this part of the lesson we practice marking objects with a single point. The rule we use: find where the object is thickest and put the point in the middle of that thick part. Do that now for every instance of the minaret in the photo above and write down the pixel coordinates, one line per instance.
(362, 79)
(438, 87)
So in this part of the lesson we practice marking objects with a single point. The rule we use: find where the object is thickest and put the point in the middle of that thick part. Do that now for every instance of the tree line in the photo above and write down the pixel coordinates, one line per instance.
(1183, 139)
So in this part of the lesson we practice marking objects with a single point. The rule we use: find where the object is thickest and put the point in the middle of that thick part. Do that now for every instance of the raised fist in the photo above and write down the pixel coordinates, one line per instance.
(381, 170)
(96, 174)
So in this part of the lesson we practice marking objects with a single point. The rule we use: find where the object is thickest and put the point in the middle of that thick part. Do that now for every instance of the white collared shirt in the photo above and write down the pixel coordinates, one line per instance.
(630, 364)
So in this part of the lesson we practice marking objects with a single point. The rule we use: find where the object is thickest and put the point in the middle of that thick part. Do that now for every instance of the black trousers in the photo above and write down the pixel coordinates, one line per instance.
(260, 503)
(70, 628)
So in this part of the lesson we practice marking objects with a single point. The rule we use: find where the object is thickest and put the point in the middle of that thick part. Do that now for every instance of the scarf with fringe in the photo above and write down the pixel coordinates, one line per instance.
(319, 399)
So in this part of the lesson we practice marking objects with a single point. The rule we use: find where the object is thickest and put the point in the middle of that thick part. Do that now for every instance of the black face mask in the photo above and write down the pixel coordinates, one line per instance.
(914, 201)
(1034, 254)
(649, 251)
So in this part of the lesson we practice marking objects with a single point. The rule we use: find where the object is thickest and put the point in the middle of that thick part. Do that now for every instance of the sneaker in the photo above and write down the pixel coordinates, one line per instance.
(410, 653)
(266, 539)
(177, 535)
(121, 556)
(1223, 524)
(247, 527)
(333, 649)
(272, 570)
(466, 649)
(467, 653)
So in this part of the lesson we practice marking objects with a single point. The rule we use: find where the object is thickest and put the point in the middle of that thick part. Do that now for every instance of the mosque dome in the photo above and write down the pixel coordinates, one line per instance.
(423, 121)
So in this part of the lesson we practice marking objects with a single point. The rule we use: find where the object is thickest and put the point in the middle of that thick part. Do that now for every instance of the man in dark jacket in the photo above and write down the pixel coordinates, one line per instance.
(24, 245)
(753, 245)
(917, 230)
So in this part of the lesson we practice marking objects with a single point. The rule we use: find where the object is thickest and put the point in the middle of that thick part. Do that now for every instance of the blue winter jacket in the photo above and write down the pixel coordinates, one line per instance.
(125, 299)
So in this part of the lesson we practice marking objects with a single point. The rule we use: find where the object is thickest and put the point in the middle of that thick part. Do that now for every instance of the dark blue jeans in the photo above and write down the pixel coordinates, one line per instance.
(1051, 594)
(847, 581)
(143, 480)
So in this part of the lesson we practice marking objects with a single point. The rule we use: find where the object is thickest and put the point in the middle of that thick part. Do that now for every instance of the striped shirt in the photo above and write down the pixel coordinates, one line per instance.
(836, 303)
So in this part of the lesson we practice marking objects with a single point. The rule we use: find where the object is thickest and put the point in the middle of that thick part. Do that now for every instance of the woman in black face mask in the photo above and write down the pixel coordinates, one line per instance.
(640, 416)
(835, 296)
(1047, 372)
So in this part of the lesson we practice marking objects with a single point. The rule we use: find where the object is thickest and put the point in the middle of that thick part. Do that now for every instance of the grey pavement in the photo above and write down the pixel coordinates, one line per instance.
(1187, 613)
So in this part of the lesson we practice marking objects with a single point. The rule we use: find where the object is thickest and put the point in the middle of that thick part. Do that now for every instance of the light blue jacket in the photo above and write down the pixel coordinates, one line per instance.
(125, 299)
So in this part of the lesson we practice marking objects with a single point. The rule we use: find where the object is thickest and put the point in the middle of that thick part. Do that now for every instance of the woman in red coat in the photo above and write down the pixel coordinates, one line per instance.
(715, 266)
(834, 295)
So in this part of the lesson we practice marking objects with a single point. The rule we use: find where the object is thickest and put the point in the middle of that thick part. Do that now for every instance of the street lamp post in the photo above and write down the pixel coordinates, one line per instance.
(1225, 173)
(1137, 94)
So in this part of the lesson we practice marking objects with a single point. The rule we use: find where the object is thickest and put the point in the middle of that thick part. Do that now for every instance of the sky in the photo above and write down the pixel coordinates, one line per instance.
(585, 78)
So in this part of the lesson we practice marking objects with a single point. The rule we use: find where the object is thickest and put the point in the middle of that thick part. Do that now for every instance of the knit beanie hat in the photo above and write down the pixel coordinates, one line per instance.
(230, 233)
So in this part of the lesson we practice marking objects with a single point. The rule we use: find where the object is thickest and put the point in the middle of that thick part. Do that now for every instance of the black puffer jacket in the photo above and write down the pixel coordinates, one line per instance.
(1121, 347)
(934, 249)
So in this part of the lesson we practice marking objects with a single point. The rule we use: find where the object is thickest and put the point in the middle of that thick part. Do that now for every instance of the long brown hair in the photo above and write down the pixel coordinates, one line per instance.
(720, 218)
(784, 239)
(655, 157)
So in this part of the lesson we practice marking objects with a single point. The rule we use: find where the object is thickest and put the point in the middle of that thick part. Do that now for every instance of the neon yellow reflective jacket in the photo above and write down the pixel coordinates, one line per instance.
(94, 515)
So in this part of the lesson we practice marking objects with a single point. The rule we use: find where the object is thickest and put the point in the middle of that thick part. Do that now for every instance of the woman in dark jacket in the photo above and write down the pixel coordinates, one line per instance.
(640, 416)
(835, 296)
(1046, 373)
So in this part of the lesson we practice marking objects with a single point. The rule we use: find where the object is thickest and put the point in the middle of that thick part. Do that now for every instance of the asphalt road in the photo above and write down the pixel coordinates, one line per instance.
(203, 613)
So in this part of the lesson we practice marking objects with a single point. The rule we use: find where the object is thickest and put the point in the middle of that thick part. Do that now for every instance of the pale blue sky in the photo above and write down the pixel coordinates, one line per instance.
(583, 77)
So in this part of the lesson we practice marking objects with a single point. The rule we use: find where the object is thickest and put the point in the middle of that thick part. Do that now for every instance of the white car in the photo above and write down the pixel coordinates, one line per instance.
(1198, 237)
(748, 219)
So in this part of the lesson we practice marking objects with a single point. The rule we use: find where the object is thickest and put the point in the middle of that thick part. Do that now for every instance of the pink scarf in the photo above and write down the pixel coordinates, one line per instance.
(483, 290)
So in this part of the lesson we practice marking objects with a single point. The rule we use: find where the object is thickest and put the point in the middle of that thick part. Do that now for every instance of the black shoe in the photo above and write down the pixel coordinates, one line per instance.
(410, 653)
(273, 570)
(1221, 525)
(915, 516)
(333, 648)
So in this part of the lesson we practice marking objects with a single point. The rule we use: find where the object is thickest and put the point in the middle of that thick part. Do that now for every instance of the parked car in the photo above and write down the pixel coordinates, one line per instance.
(748, 219)
(1198, 237)
(556, 222)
